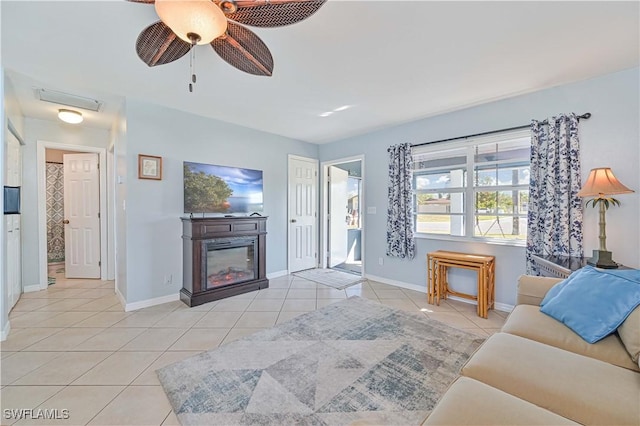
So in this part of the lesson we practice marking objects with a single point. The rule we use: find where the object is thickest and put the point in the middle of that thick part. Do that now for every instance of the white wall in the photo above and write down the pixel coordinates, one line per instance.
(50, 131)
(119, 135)
(610, 138)
(154, 208)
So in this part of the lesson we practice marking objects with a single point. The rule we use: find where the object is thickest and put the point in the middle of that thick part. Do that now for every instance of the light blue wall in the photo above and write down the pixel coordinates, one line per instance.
(154, 208)
(119, 188)
(610, 138)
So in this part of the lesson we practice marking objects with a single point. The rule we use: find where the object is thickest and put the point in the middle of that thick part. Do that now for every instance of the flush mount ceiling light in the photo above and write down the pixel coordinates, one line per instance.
(187, 23)
(70, 116)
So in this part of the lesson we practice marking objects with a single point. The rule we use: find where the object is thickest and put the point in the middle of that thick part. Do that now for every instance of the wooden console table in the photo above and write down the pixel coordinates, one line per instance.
(439, 261)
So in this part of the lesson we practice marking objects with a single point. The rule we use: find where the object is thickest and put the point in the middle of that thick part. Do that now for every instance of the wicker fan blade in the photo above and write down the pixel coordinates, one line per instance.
(244, 50)
(143, 1)
(273, 13)
(158, 45)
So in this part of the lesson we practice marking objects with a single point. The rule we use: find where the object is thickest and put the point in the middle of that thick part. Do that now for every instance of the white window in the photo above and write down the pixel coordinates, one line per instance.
(473, 187)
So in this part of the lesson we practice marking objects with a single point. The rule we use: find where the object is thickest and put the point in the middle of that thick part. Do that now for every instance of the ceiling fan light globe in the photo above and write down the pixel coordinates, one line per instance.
(201, 17)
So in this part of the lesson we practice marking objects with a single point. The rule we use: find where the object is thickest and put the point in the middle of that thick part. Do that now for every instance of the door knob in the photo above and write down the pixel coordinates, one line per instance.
(293, 221)
(66, 221)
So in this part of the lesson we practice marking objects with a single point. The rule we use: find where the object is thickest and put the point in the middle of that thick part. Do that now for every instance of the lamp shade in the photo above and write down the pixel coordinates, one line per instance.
(601, 181)
(201, 17)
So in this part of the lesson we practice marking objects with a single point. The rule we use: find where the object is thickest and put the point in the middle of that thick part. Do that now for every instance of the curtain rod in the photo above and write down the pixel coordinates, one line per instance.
(585, 116)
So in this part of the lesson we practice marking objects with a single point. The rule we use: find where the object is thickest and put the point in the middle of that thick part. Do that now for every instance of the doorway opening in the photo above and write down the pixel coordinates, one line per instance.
(71, 198)
(344, 187)
(54, 171)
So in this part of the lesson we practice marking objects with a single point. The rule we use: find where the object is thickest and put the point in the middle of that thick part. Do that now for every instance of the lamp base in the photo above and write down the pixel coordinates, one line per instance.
(602, 259)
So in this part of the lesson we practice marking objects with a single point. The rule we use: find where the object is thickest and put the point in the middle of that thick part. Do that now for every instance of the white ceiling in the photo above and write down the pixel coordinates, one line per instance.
(391, 61)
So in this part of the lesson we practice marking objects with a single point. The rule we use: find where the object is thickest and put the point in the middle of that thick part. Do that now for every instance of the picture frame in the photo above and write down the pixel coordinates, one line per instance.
(149, 167)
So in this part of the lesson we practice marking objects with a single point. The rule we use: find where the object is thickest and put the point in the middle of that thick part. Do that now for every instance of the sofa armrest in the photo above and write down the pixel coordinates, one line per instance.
(531, 290)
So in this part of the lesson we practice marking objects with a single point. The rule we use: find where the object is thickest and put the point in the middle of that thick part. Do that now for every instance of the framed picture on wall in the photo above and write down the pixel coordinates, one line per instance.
(149, 167)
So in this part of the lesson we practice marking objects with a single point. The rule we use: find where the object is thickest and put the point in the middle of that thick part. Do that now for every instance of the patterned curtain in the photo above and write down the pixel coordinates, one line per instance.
(400, 242)
(55, 212)
(555, 210)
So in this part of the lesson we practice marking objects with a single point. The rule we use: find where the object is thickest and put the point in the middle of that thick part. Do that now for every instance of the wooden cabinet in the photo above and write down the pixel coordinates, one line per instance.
(222, 257)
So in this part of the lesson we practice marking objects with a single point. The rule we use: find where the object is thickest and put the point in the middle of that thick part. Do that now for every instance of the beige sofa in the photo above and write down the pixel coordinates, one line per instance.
(537, 371)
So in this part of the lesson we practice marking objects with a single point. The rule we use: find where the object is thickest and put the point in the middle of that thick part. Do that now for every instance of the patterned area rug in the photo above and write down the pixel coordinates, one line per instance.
(352, 360)
(330, 277)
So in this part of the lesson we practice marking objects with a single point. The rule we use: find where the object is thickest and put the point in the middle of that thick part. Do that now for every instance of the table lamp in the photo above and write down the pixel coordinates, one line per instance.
(600, 184)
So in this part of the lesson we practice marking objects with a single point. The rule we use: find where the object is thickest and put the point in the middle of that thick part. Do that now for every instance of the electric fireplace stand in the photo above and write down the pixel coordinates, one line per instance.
(222, 257)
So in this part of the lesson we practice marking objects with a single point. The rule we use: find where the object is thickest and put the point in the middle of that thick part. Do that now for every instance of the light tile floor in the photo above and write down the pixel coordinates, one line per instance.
(72, 346)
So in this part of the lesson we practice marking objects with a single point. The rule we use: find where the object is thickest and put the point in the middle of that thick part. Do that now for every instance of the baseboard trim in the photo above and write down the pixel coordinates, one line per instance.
(121, 298)
(5, 331)
(504, 307)
(31, 288)
(396, 283)
(499, 306)
(151, 302)
(277, 274)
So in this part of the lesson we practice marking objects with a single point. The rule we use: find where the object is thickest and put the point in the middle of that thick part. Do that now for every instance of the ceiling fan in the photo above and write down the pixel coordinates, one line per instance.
(186, 23)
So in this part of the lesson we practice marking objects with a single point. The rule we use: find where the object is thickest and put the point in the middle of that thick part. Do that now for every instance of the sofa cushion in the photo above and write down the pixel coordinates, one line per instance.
(594, 302)
(532, 290)
(527, 321)
(629, 332)
(579, 388)
(469, 402)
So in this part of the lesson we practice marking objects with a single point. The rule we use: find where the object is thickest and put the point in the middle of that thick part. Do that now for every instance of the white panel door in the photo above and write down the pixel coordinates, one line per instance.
(338, 198)
(303, 217)
(81, 216)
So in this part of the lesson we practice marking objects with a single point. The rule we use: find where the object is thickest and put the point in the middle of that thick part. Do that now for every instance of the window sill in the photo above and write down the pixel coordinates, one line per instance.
(493, 241)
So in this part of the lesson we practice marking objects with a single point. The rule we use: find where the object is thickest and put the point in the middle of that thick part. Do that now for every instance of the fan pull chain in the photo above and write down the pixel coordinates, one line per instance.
(195, 38)
(192, 62)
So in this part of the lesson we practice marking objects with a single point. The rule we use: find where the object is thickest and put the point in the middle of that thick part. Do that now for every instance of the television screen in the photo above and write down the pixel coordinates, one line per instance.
(220, 189)
(11, 200)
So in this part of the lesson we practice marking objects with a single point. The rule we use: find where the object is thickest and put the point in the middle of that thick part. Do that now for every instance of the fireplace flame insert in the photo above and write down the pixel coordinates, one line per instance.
(228, 261)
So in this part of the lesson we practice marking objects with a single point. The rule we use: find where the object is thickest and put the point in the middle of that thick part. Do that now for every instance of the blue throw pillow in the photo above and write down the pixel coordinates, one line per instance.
(595, 301)
(553, 291)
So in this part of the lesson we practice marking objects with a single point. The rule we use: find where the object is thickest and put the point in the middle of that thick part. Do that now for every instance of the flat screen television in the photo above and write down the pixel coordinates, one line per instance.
(11, 200)
(219, 189)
